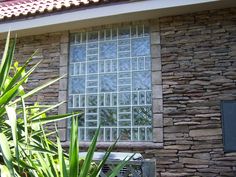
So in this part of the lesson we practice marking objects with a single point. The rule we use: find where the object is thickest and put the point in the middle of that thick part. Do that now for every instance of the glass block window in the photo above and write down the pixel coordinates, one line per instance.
(110, 81)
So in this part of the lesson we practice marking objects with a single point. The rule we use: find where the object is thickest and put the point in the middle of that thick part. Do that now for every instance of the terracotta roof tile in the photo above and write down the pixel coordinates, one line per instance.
(22, 8)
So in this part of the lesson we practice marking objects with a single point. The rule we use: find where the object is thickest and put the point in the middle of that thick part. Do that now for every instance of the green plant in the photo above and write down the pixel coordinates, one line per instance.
(25, 147)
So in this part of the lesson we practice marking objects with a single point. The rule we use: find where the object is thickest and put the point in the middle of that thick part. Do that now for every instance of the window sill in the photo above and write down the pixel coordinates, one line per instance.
(125, 145)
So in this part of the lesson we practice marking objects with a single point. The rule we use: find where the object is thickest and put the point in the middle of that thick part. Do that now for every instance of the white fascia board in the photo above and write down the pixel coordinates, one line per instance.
(97, 12)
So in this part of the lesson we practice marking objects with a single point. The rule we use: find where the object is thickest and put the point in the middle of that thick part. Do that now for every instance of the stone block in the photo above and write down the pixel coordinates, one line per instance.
(157, 105)
(158, 120)
(156, 64)
(156, 78)
(64, 48)
(158, 135)
(63, 84)
(63, 60)
(156, 51)
(62, 96)
(205, 132)
(62, 134)
(62, 109)
(155, 38)
(157, 91)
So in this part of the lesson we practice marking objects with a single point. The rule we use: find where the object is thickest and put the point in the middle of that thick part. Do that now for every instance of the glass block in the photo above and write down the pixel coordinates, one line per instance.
(83, 37)
(108, 34)
(71, 69)
(125, 109)
(91, 117)
(148, 97)
(107, 66)
(107, 99)
(141, 80)
(114, 65)
(147, 63)
(102, 35)
(72, 38)
(124, 64)
(125, 123)
(107, 50)
(142, 134)
(91, 123)
(92, 57)
(146, 31)
(124, 98)
(92, 45)
(78, 53)
(125, 42)
(114, 33)
(110, 77)
(78, 38)
(125, 116)
(124, 74)
(70, 101)
(92, 83)
(140, 47)
(92, 51)
(124, 32)
(92, 36)
(92, 67)
(114, 99)
(108, 83)
(125, 134)
(142, 98)
(135, 98)
(141, 63)
(92, 90)
(82, 100)
(149, 133)
(135, 134)
(101, 67)
(101, 100)
(134, 63)
(125, 88)
(107, 134)
(124, 48)
(81, 134)
(76, 101)
(77, 68)
(81, 119)
(101, 136)
(92, 110)
(108, 116)
(92, 77)
(134, 31)
(142, 115)
(77, 85)
(82, 68)
(92, 100)
(90, 133)
(140, 30)
(114, 134)
(123, 54)
(124, 81)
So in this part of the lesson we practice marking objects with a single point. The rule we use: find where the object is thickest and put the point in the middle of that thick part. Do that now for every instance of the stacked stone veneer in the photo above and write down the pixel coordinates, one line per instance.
(198, 54)
(193, 64)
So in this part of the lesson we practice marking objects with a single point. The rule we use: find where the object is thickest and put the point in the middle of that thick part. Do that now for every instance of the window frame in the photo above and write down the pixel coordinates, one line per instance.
(157, 94)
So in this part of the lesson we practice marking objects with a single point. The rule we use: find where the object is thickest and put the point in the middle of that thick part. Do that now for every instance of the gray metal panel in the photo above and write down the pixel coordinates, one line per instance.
(228, 109)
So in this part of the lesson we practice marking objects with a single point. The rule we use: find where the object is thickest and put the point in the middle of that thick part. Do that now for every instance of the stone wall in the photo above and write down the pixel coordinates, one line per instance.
(198, 54)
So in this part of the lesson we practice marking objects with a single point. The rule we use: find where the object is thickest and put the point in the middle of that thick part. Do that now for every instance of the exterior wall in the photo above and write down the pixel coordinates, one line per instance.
(198, 71)
(197, 61)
